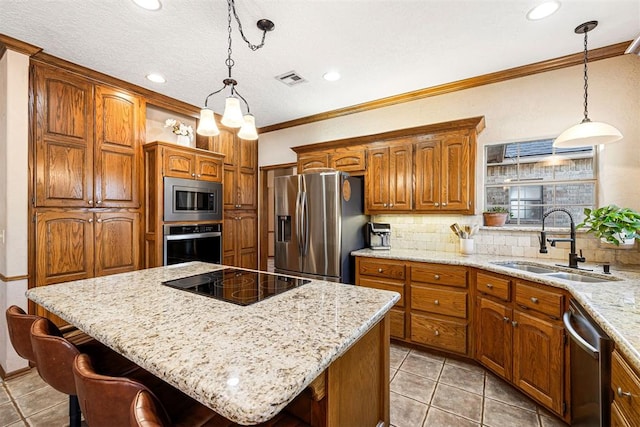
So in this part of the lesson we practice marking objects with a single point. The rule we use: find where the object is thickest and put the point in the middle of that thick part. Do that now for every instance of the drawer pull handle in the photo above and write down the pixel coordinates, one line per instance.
(506, 319)
(379, 270)
(436, 276)
(489, 285)
(514, 323)
(437, 333)
(436, 204)
(436, 302)
(534, 300)
(620, 392)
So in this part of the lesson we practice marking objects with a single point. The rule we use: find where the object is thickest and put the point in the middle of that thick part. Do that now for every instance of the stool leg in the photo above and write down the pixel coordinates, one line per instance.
(75, 417)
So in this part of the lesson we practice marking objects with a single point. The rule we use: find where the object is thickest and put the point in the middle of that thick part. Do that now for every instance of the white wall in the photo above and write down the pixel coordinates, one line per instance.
(537, 106)
(14, 128)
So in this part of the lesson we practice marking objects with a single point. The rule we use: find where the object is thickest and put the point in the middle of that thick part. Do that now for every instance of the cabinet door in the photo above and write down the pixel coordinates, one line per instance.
(246, 191)
(208, 168)
(64, 247)
(248, 241)
(230, 188)
(538, 359)
(117, 160)
(428, 156)
(225, 143)
(400, 177)
(456, 173)
(349, 160)
(229, 240)
(179, 164)
(64, 139)
(248, 151)
(377, 179)
(312, 160)
(494, 336)
(117, 240)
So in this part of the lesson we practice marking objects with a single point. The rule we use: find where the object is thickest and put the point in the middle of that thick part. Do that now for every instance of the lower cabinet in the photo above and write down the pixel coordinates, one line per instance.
(625, 384)
(240, 244)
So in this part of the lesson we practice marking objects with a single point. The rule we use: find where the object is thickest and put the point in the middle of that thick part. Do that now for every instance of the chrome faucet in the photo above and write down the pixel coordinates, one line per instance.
(574, 259)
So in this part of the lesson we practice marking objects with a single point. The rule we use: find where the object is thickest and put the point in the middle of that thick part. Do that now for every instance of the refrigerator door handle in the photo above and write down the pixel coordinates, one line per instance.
(305, 225)
(299, 221)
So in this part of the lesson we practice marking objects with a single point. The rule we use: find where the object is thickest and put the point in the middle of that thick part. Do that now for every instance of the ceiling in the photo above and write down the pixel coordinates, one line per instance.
(381, 47)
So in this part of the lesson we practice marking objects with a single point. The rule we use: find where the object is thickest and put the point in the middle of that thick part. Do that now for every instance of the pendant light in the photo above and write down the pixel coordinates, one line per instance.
(232, 116)
(587, 132)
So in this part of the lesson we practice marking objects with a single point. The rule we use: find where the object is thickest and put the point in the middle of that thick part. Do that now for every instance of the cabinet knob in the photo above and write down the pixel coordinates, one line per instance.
(199, 175)
(384, 205)
(193, 174)
(514, 323)
(534, 300)
(90, 202)
(436, 276)
(489, 285)
(437, 333)
(379, 270)
(390, 205)
(436, 302)
(90, 220)
(444, 204)
(99, 220)
(98, 202)
(436, 204)
(623, 393)
(506, 319)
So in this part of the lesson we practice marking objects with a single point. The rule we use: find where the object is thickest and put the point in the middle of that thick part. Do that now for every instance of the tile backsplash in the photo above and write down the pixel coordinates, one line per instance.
(432, 232)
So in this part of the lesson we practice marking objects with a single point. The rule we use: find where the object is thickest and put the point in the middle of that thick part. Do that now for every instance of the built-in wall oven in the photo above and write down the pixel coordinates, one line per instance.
(192, 242)
(192, 200)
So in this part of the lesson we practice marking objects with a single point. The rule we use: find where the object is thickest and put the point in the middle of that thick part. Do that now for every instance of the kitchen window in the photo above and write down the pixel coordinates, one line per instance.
(530, 177)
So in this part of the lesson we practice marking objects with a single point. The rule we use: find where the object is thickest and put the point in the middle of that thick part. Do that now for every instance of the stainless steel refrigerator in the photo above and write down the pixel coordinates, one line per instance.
(320, 220)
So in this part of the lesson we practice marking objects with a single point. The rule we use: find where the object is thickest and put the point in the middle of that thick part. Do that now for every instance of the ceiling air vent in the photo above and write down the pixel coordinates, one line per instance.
(291, 78)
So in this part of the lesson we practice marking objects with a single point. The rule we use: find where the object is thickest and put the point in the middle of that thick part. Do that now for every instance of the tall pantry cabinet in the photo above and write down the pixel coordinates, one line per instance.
(85, 162)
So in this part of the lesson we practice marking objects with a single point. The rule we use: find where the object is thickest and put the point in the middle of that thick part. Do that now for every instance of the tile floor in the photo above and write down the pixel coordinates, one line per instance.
(426, 390)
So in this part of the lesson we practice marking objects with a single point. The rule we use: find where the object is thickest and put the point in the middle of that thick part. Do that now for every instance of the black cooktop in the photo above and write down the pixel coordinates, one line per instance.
(240, 287)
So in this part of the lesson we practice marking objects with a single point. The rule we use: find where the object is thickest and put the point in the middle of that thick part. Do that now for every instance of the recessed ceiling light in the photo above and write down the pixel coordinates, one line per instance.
(156, 78)
(543, 10)
(149, 4)
(332, 76)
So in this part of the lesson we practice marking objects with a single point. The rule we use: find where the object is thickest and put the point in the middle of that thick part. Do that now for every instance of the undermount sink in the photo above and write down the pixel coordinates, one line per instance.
(553, 272)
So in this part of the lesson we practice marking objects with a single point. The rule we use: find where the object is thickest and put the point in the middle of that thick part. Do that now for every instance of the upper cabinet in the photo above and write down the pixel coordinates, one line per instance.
(189, 163)
(346, 159)
(388, 178)
(87, 139)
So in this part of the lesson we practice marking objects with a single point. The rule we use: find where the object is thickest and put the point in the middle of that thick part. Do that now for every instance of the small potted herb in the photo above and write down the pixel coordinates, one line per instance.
(496, 216)
(614, 225)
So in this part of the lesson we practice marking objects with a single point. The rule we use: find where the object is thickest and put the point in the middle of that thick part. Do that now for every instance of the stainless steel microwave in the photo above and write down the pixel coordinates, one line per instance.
(192, 200)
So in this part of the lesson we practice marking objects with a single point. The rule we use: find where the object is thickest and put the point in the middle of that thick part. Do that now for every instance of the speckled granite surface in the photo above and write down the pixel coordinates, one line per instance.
(614, 305)
(246, 363)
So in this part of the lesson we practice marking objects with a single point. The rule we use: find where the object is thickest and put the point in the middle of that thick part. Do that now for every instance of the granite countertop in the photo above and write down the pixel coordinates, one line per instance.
(614, 305)
(246, 363)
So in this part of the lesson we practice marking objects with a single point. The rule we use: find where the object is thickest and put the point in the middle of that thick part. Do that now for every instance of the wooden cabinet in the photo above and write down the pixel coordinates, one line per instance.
(239, 241)
(87, 140)
(522, 338)
(389, 178)
(439, 307)
(386, 275)
(73, 245)
(346, 159)
(185, 163)
(445, 173)
(312, 161)
(625, 384)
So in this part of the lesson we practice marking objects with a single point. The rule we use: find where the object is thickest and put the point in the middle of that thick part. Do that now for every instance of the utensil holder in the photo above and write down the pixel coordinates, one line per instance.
(466, 246)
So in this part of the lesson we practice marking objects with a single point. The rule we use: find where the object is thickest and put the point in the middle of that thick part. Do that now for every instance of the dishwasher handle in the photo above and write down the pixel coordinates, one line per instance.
(575, 336)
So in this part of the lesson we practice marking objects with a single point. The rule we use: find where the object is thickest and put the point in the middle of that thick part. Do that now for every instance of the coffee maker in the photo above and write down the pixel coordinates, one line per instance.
(379, 235)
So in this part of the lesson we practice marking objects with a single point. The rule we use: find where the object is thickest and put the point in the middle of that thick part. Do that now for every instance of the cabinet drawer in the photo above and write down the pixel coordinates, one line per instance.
(448, 275)
(381, 268)
(626, 387)
(396, 318)
(540, 300)
(387, 286)
(443, 334)
(493, 285)
(439, 301)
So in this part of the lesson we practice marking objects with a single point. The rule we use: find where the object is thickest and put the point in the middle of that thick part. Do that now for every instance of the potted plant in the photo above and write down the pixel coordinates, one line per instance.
(496, 216)
(612, 224)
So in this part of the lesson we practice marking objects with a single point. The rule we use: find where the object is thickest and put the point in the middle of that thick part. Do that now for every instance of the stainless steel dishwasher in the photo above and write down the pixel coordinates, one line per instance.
(590, 352)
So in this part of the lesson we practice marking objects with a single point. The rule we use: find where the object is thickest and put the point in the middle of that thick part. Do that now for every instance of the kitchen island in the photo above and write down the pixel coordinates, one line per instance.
(245, 363)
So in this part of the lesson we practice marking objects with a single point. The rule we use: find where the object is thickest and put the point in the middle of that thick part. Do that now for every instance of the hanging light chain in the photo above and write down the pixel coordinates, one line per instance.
(232, 6)
(586, 82)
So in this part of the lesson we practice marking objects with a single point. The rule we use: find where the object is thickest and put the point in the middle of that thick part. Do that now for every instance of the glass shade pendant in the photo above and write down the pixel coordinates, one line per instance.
(207, 125)
(232, 116)
(588, 133)
(248, 130)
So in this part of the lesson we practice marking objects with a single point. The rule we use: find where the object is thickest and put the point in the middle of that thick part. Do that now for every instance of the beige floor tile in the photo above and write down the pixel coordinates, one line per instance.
(18, 424)
(406, 412)
(498, 414)
(39, 400)
(396, 355)
(458, 402)
(392, 373)
(24, 384)
(439, 418)
(465, 364)
(423, 366)
(498, 389)
(4, 397)
(551, 421)
(432, 356)
(56, 416)
(472, 381)
(8, 414)
(413, 386)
